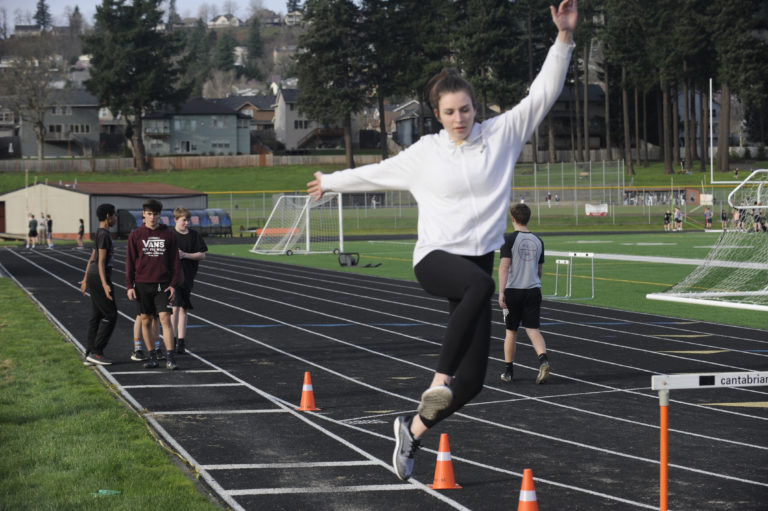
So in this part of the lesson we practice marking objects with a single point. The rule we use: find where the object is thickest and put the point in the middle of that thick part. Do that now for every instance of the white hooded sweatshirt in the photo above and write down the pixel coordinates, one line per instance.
(462, 191)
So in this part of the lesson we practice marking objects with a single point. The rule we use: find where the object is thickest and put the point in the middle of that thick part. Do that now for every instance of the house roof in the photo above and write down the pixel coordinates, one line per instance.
(193, 106)
(237, 102)
(143, 189)
(73, 97)
(290, 95)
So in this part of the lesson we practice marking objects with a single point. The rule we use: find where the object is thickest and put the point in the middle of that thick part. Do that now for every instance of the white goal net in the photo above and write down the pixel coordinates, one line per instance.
(301, 225)
(735, 273)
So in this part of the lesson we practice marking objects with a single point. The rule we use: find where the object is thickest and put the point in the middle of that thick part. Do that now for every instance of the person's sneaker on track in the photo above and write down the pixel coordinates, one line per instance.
(405, 447)
(434, 400)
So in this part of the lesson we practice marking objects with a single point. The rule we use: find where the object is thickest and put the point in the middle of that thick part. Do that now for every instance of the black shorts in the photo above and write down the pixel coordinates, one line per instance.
(151, 298)
(182, 298)
(524, 305)
(32, 234)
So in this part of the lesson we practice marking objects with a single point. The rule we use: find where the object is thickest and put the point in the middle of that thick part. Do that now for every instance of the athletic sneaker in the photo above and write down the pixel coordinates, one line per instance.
(506, 376)
(98, 359)
(170, 362)
(139, 356)
(87, 362)
(152, 363)
(160, 354)
(180, 346)
(434, 400)
(405, 447)
(543, 371)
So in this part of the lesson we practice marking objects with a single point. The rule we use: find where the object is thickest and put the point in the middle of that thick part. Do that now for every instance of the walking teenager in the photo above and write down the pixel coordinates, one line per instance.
(520, 265)
(151, 273)
(192, 249)
(460, 179)
(98, 280)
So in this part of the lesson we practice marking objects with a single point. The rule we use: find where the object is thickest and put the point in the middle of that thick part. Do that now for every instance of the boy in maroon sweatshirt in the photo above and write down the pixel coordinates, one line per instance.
(151, 274)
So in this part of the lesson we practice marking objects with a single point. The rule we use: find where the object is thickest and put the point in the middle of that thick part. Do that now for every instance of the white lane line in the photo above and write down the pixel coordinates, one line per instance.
(322, 489)
(156, 371)
(273, 466)
(215, 412)
(182, 386)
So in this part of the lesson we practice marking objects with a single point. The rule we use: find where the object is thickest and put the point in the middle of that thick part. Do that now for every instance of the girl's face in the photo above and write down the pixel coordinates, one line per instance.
(457, 115)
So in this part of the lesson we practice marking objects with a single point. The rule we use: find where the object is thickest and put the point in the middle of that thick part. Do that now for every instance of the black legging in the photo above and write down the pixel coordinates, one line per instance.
(103, 315)
(467, 284)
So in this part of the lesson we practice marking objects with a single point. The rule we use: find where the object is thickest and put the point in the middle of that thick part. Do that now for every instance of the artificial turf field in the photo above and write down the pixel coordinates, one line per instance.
(590, 434)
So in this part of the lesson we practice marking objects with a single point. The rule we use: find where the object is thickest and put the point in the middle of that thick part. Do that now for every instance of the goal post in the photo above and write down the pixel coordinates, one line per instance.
(300, 225)
(735, 273)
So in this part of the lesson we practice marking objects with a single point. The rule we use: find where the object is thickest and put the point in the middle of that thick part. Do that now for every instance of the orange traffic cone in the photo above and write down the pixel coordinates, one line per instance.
(444, 479)
(307, 396)
(527, 493)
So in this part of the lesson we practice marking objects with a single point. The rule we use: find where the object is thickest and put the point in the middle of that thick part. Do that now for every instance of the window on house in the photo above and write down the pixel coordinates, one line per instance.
(290, 106)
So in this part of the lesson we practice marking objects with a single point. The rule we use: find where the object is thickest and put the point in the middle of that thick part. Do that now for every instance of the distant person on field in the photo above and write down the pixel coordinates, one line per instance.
(192, 249)
(98, 281)
(707, 218)
(723, 219)
(667, 221)
(520, 268)
(49, 230)
(678, 219)
(32, 232)
(42, 229)
(152, 272)
(80, 234)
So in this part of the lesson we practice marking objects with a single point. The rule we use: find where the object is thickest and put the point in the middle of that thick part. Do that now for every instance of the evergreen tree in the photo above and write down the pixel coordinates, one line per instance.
(224, 58)
(488, 45)
(386, 34)
(134, 66)
(330, 65)
(43, 18)
(197, 61)
(255, 46)
(292, 5)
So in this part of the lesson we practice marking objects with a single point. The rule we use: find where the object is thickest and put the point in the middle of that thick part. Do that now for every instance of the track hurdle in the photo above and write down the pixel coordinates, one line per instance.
(568, 264)
(666, 382)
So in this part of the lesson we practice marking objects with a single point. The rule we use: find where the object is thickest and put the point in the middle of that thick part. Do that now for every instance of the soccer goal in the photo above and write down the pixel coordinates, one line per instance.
(735, 273)
(300, 225)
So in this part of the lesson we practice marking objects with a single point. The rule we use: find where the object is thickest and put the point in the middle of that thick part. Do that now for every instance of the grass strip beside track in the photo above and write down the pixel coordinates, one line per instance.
(63, 438)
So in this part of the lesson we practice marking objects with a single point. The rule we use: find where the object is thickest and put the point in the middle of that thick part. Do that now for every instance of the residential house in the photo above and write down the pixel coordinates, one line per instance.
(294, 18)
(199, 126)
(291, 127)
(225, 21)
(9, 131)
(26, 30)
(406, 120)
(71, 126)
(259, 109)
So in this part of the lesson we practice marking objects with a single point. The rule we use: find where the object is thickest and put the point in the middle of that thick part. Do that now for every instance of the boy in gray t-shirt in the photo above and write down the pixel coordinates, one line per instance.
(522, 257)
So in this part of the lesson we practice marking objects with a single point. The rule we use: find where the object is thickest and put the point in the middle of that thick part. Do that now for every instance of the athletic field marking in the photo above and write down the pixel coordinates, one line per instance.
(217, 412)
(317, 464)
(747, 404)
(698, 352)
(683, 336)
(186, 371)
(592, 242)
(181, 386)
(649, 244)
(295, 357)
(322, 489)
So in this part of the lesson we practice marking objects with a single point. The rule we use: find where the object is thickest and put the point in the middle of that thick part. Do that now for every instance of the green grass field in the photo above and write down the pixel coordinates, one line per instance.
(64, 437)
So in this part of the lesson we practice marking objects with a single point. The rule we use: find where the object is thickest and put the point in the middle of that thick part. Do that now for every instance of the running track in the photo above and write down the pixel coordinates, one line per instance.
(590, 435)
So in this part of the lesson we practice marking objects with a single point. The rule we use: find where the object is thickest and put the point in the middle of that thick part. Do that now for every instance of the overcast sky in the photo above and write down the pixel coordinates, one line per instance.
(186, 8)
